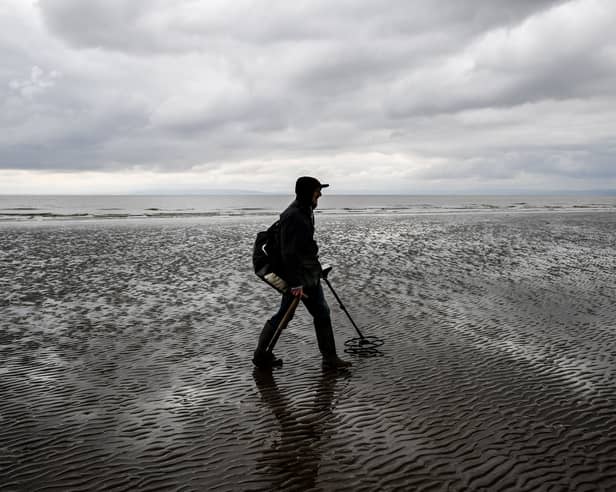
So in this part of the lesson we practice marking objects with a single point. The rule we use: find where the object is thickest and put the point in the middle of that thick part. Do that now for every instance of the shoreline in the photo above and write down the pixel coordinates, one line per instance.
(212, 217)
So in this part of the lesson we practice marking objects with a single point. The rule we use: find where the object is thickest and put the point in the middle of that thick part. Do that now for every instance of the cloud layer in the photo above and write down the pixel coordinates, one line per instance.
(394, 95)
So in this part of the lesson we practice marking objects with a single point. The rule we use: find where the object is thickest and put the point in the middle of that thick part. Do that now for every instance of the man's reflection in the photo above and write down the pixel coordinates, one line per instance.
(291, 457)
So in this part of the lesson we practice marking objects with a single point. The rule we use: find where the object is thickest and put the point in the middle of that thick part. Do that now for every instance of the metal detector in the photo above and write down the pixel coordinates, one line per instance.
(366, 346)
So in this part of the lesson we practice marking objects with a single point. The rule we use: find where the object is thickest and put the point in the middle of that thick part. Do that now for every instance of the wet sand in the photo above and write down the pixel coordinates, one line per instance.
(125, 357)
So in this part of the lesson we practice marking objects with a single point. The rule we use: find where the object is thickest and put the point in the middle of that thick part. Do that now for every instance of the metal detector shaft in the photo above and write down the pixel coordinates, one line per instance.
(342, 307)
(283, 324)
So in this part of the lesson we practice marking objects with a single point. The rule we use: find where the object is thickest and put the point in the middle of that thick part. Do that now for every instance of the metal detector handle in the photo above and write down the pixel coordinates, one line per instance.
(342, 305)
(283, 324)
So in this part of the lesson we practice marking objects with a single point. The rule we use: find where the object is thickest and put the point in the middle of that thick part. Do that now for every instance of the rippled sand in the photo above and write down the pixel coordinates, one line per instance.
(125, 357)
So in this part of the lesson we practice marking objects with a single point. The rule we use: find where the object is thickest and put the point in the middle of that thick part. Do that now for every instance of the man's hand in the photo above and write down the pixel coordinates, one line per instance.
(297, 291)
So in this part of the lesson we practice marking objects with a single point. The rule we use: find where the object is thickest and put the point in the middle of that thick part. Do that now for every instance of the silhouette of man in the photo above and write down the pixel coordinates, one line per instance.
(302, 271)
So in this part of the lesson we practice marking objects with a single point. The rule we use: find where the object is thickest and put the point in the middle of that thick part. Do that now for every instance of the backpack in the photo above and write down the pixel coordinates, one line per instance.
(266, 256)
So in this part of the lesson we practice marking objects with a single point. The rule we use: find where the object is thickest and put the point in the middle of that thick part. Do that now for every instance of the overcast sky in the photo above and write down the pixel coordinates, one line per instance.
(120, 96)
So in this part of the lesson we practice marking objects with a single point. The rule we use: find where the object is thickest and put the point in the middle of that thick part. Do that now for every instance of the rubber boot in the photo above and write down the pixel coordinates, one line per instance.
(261, 357)
(327, 345)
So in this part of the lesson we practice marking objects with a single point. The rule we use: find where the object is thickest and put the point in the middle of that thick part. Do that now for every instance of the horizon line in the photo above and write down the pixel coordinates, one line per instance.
(345, 193)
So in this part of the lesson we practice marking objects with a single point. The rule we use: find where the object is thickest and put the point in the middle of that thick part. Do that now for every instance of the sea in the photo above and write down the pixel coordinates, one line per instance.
(34, 208)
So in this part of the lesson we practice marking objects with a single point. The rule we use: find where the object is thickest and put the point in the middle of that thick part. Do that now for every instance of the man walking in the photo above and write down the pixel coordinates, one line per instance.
(301, 271)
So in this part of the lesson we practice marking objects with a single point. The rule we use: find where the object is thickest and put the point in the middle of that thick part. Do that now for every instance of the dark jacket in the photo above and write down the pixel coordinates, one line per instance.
(300, 253)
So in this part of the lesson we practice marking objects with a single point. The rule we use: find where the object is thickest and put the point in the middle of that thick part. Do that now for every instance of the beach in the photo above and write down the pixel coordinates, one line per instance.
(126, 346)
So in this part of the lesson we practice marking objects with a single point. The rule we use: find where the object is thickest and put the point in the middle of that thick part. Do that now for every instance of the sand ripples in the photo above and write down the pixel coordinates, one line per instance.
(126, 355)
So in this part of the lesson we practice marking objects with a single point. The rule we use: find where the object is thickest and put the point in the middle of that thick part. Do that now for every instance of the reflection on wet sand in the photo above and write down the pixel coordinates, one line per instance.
(125, 358)
(292, 457)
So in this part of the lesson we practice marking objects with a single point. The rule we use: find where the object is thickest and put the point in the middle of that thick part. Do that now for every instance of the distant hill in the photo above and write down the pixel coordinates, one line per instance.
(198, 192)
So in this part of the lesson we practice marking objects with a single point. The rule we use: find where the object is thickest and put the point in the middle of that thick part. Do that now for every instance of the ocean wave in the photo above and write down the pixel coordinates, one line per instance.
(33, 214)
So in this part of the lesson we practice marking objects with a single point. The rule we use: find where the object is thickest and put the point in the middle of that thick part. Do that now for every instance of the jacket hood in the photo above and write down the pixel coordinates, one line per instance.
(305, 186)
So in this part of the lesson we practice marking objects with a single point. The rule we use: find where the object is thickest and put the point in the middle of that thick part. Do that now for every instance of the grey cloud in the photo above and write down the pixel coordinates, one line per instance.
(575, 75)
(595, 161)
(155, 25)
(152, 84)
(111, 24)
(84, 146)
(573, 161)
(345, 46)
(573, 78)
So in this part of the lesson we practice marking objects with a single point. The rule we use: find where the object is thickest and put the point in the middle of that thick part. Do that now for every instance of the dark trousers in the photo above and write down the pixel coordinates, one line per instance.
(317, 306)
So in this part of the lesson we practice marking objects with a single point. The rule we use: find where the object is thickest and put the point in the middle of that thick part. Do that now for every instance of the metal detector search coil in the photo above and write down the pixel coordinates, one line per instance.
(364, 346)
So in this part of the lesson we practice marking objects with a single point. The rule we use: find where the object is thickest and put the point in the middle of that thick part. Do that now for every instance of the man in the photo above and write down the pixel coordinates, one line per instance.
(302, 271)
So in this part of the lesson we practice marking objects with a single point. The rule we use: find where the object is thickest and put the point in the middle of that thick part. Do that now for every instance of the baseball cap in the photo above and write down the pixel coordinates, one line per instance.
(307, 184)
